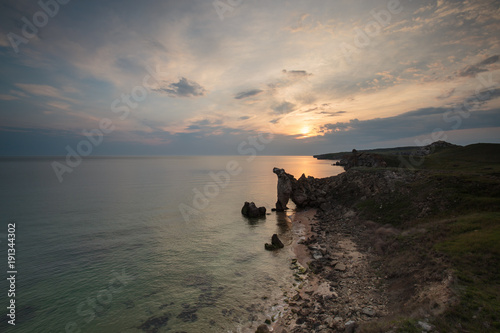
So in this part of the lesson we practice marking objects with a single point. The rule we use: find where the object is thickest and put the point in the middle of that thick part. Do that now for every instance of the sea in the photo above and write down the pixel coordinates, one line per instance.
(145, 244)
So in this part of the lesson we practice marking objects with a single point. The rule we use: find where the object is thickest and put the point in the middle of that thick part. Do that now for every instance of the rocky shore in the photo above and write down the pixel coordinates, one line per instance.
(343, 283)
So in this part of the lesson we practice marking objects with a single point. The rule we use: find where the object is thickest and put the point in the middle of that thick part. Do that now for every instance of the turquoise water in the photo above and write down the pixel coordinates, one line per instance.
(108, 250)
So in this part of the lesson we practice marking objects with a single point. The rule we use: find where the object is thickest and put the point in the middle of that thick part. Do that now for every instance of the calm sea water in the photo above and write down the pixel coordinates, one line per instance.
(108, 250)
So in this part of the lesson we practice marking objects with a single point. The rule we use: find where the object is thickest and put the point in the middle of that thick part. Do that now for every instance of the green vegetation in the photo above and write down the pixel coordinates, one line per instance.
(454, 196)
(473, 245)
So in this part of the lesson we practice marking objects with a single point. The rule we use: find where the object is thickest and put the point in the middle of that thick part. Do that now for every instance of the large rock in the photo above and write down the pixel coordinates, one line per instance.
(275, 244)
(249, 209)
(284, 188)
(350, 186)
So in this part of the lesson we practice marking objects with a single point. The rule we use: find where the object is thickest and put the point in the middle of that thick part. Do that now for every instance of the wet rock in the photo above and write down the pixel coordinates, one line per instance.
(249, 209)
(275, 244)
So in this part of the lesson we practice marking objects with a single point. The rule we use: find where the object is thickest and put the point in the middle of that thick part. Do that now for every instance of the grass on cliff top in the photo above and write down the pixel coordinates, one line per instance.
(456, 197)
(473, 246)
(480, 157)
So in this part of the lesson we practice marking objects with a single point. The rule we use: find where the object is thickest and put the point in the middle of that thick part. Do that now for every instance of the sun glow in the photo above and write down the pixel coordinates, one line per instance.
(305, 132)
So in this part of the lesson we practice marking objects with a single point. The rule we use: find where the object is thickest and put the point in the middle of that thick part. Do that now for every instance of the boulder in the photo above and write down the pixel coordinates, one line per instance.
(275, 244)
(249, 209)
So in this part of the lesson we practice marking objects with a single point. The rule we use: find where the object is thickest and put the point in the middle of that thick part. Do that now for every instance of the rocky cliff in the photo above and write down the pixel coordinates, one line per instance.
(350, 186)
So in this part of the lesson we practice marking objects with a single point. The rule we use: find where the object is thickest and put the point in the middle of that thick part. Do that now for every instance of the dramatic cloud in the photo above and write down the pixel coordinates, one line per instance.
(183, 88)
(249, 93)
(173, 78)
(425, 121)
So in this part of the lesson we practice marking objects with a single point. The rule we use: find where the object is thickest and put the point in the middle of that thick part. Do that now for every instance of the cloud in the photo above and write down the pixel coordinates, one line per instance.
(408, 125)
(249, 93)
(332, 113)
(43, 90)
(244, 117)
(288, 79)
(489, 61)
(205, 124)
(183, 88)
(446, 94)
(423, 121)
(473, 70)
(8, 97)
(300, 24)
(296, 73)
(283, 108)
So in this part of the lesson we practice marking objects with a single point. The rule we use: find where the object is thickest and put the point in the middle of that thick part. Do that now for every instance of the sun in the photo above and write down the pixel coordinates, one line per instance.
(305, 130)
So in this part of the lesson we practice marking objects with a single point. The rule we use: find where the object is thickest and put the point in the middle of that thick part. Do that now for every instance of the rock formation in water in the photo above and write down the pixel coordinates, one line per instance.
(249, 209)
(275, 244)
(284, 188)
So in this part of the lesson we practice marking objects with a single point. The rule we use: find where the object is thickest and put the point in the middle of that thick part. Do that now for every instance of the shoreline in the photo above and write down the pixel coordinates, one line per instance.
(339, 289)
(302, 223)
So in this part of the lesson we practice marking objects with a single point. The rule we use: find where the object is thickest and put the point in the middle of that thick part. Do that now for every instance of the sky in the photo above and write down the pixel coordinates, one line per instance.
(198, 77)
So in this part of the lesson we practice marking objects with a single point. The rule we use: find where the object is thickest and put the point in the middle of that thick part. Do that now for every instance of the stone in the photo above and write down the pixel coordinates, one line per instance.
(262, 329)
(340, 267)
(425, 326)
(249, 209)
(369, 312)
(275, 243)
(325, 206)
(317, 255)
(350, 326)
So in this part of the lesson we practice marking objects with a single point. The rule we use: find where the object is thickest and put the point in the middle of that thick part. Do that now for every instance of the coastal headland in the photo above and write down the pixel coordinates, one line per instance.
(397, 249)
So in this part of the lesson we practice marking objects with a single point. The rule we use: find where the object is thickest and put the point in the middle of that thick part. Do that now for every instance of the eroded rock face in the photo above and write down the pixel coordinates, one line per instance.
(324, 193)
(249, 209)
(284, 188)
